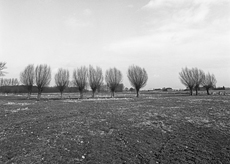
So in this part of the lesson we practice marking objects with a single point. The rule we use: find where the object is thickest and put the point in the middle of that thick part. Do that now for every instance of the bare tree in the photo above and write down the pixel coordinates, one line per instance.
(2, 67)
(62, 80)
(137, 77)
(186, 78)
(14, 82)
(42, 78)
(113, 78)
(209, 82)
(1, 82)
(9, 85)
(80, 79)
(27, 78)
(9, 82)
(198, 77)
(95, 78)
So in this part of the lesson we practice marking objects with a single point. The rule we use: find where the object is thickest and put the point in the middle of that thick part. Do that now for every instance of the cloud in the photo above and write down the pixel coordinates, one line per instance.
(153, 4)
(189, 13)
(180, 25)
(175, 47)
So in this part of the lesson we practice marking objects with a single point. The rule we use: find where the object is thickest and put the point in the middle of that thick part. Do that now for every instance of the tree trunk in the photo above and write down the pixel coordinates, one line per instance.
(61, 95)
(207, 89)
(93, 93)
(137, 90)
(112, 94)
(191, 91)
(29, 93)
(39, 95)
(81, 94)
(196, 91)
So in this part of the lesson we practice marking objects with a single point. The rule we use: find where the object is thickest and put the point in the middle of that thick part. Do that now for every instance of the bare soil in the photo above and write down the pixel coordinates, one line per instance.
(148, 130)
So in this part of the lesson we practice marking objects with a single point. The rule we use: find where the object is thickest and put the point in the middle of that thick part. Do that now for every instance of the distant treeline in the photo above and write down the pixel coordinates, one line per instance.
(22, 89)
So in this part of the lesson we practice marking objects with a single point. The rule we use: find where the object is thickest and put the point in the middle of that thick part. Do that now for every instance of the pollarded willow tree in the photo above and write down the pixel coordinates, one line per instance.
(113, 78)
(186, 78)
(95, 78)
(2, 67)
(62, 80)
(198, 77)
(42, 78)
(80, 79)
(209, 82)
(27, 77)
(137, 77)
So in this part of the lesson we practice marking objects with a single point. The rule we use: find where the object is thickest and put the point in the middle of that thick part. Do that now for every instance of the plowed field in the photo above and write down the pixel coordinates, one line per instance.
(148, 130)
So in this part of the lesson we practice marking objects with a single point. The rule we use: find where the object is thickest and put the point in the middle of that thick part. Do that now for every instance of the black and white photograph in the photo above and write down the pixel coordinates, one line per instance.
(114, 81)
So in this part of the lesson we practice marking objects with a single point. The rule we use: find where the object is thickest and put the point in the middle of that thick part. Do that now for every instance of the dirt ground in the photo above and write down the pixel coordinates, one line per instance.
(148, 130)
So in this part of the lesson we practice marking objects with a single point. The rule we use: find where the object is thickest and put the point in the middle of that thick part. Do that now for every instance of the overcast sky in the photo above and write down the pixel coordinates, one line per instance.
(160, 35)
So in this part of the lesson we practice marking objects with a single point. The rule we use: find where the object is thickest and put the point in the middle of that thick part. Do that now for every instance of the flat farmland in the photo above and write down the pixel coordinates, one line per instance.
(152, 129)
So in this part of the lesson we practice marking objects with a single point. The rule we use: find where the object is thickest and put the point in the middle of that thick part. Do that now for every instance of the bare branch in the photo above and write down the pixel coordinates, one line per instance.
(9, 82)
(80, 79)
(2, 67)
(137, 77)
(62, 79)
(14, 82)
(198, 77)
(192, 78)
(42, 77)
(27, 78)
(186, 78)
(113, 77)
(95, 78)
(209, 82)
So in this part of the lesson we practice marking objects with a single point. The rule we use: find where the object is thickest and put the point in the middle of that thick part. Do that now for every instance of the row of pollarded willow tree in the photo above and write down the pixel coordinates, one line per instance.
(41, 76)
(194, 78)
